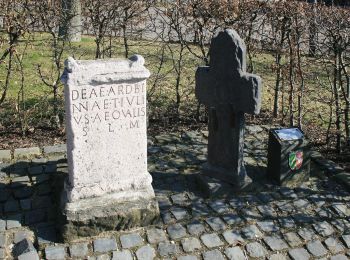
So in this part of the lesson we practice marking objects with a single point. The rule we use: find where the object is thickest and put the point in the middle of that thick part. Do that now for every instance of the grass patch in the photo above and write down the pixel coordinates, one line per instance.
(161, 85)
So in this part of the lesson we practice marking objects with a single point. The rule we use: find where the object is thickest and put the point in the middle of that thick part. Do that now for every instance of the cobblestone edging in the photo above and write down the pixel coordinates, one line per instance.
(32, 152)
(331, 169)
(308, 222)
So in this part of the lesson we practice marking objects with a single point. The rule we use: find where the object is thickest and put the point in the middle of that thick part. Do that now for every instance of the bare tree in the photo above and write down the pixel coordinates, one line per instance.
(132, 14)
(274, 40)
(21, 96)
(100, 16)
(16, 25)
(296, 36)
(335, 22)
(166, 25)
(312, 27)
(49, 17)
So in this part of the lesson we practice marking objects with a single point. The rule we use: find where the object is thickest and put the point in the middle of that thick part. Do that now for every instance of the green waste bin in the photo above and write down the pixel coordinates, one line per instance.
(288, 157)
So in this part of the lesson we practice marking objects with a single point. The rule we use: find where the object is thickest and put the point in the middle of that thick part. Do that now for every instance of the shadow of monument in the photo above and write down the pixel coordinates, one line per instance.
(258, 174)
(31, 197)
(165, 183)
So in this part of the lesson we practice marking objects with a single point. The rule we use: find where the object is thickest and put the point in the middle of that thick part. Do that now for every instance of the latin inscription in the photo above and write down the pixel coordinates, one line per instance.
(116, 106)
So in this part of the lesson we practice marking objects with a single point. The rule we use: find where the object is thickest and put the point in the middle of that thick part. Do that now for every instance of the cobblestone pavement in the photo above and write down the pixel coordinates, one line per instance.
(309, 222)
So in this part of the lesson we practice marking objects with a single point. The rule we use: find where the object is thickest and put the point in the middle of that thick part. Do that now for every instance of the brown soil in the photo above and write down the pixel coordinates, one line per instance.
(39, 137)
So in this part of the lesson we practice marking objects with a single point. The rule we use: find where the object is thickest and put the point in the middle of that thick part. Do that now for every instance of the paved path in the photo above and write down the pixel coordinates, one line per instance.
(310, 222)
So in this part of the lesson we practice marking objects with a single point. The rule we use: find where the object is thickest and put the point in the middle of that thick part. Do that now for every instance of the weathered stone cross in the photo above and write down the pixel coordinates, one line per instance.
(228, 91)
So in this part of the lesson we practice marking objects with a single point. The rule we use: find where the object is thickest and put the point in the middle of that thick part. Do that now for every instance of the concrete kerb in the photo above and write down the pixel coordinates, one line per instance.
(327, 166)
(7, 155)
(331, 169)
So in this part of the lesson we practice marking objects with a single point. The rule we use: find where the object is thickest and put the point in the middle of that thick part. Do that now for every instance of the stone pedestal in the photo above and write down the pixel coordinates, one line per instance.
(109, 186)
(90, 217)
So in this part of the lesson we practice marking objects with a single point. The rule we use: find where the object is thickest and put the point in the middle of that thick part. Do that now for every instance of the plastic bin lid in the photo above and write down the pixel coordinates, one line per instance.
(288, 134)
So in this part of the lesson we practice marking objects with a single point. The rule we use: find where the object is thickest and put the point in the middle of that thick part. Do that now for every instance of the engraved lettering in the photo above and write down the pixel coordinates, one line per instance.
(106, 103)
(111, 90)
(130, 101)
(109, 104)
(75, 94)
(85, 130)
(93, 93)
(128, 89)
(95, 105)
(116, 114)
(110, 128)
(77, 120)
(83, 93)
(102, 93)
(80, 106)
(134, 124)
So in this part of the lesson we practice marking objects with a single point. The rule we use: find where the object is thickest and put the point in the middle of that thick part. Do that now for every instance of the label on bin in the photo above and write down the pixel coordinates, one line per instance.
(287, 134)
(296, 160)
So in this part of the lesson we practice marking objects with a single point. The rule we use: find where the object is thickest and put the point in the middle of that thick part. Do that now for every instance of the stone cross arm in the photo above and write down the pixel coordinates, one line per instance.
(242, 92)
(225, 81)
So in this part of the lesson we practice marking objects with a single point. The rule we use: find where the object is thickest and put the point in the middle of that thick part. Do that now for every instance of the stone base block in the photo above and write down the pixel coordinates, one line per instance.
(214, 188)
(237, 179)
(102, 214)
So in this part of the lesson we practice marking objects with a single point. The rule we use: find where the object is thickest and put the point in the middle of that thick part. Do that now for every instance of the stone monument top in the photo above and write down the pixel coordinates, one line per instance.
(225, 80)
(105, 71)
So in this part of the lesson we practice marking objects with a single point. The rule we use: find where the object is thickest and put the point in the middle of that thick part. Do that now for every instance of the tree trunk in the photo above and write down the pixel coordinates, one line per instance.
(312, 29)
(178, 80)
(291, 99)
(277, 85)
(283, 102)
(330, 122)
(8, 76)
(21, 100)
(302, 84)
(347, 100)
(110, 45)
(249, 49)
(278, 59)
(71, 24)
(125, 39)
(300, 106)
(98, 48)
(55, 106)
(291, 82)
(337, 104)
